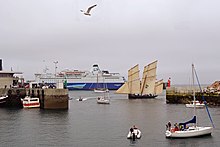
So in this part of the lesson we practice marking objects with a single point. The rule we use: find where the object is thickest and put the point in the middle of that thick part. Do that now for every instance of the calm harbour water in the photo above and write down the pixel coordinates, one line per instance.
(88, 124)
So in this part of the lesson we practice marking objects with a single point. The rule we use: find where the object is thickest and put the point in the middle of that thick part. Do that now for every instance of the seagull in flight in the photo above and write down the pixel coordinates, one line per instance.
(88, 10)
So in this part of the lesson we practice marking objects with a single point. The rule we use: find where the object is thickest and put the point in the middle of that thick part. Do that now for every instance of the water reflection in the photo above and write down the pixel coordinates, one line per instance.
(88, 124)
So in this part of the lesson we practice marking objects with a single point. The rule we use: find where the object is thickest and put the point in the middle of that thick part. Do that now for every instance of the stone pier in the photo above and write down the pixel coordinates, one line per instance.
(178, 95)
(49, 98)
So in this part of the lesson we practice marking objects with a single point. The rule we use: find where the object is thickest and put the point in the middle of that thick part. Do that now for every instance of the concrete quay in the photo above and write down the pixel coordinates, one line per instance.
(49, 98)
(177, 95)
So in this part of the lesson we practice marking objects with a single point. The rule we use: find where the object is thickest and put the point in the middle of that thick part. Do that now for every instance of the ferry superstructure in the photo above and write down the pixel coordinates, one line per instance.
(83, 80)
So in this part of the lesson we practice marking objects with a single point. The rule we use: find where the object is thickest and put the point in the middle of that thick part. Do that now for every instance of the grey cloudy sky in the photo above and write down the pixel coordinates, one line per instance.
(118, 35)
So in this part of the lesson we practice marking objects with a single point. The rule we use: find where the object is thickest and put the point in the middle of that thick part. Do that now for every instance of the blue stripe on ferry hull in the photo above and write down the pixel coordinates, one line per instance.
(91, 86)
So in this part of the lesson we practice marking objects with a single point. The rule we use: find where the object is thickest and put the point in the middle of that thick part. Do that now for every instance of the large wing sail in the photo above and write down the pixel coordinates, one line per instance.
(123, 89)
(134, 80)
(159, 87)
(149, 78)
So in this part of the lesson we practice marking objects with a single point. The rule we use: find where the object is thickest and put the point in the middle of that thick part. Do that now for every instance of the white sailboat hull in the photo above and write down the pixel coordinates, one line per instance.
(102, 100)
(191, 132)
(100, 90)
(197, 106)
(196, 103)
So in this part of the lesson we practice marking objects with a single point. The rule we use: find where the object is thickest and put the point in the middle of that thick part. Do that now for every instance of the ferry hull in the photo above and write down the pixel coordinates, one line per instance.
(91, 86)
(81, 79)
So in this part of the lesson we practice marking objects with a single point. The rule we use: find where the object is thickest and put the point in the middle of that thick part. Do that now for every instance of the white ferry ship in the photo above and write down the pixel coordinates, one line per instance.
(83, 80)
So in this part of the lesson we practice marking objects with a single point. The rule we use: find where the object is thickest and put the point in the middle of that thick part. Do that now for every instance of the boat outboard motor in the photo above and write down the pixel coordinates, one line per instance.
(133, 136)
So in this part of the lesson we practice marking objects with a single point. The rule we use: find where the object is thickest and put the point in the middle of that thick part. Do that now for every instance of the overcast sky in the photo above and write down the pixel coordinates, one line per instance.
(118, 35)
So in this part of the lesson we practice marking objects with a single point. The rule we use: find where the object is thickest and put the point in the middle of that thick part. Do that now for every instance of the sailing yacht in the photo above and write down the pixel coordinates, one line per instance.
(192, 131)
(148, 87)
(105, 99)
(100, 89)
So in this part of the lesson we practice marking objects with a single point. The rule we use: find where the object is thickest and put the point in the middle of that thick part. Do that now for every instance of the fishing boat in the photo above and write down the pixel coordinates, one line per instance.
(184, 131)
(195, 103)
(148, 87)
(31, 102)
(82, 79)
(134, 133)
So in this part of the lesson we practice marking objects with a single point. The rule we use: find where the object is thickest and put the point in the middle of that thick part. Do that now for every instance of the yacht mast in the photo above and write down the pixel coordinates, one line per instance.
(194, 97)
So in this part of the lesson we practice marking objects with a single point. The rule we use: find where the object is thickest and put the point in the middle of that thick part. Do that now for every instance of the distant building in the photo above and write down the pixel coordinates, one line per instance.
(8, 79)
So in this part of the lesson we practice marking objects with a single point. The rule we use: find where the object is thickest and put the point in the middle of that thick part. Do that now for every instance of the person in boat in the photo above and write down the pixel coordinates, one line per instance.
(181, 128)
(134, 127)
(80, 98)
(131, 130)
(169, 125)
(176, 127)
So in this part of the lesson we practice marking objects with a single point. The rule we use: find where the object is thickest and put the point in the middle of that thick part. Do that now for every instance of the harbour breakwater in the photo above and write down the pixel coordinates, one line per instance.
(183, 95)
(49, 98)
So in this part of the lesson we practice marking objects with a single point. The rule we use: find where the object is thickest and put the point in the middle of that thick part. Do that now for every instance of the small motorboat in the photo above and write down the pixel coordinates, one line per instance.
(81, 99)
(134, 133)
(31, 102)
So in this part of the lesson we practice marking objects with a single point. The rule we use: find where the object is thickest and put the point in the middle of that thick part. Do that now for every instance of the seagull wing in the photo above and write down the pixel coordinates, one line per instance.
(89, 9)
